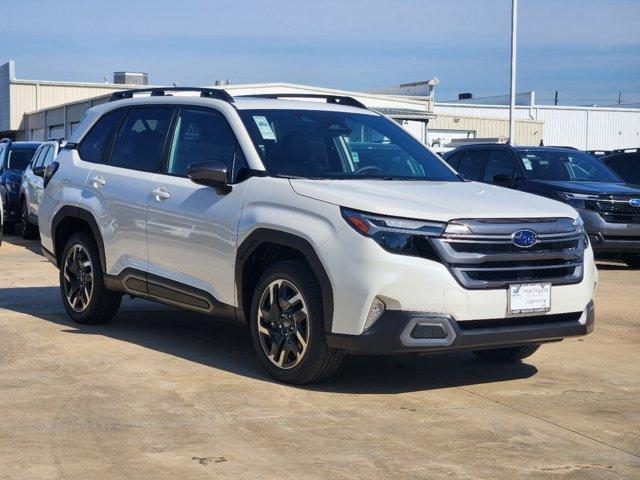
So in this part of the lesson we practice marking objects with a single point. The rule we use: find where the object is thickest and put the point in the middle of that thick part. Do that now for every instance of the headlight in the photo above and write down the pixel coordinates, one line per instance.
(579, 224)
(579, 200)
(13, 187)
(402, 236)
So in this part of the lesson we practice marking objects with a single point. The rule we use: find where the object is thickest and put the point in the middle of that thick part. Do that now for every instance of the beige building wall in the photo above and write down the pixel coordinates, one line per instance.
(528, 132)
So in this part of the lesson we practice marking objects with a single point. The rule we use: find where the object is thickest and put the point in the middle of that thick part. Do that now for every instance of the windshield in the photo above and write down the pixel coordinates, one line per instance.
(19, 157)
(342, 145)
(571, 165)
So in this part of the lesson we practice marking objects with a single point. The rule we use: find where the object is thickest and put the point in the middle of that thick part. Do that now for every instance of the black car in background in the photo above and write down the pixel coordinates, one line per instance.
(609, 206)
(626, 163)
(14, 158)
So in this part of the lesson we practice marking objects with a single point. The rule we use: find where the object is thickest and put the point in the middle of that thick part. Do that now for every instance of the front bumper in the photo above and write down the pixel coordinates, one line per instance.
(396, 332)
(609, 237)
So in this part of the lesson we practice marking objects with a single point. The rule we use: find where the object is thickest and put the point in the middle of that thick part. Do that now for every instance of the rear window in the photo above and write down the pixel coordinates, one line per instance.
(19, 157)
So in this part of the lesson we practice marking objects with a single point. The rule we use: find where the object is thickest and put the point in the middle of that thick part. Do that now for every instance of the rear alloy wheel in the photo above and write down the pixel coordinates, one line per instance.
(508, 354)
(287, 325)
(82, 289)
(26, 229)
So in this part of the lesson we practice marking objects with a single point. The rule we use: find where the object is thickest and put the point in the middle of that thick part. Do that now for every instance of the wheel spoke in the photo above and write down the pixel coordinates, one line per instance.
(302, 341)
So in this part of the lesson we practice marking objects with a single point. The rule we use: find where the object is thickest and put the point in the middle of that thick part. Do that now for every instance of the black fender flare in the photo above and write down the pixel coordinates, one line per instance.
(77, 213)
(266, 235)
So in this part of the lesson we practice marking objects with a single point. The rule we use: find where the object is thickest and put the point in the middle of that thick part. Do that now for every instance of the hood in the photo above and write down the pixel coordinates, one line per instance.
(440, 201)
(601, 188)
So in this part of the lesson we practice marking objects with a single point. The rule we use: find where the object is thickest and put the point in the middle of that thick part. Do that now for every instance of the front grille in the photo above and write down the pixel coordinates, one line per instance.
(617, 209)
(484, 256)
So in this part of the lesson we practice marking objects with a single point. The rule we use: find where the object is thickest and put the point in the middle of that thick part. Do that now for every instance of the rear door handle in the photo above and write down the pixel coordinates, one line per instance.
(160, 194)
(98, 181)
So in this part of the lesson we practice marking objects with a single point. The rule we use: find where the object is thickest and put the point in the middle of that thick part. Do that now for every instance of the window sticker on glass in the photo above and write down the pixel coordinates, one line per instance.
(527, 164)
(264, 127)
(355, 157)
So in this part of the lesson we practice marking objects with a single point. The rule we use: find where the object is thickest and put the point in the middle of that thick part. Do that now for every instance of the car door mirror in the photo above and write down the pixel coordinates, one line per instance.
(39, 171)
(502, 179)
(212, 174)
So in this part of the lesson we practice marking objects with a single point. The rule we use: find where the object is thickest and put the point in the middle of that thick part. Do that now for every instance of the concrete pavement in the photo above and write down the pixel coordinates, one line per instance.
(160, 393)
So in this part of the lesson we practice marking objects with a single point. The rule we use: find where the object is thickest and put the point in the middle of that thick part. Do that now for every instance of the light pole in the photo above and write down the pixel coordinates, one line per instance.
(512, 96)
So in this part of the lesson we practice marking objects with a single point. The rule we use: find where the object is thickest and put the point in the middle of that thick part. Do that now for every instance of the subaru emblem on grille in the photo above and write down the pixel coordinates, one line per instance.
(635, 202)
(524, 238)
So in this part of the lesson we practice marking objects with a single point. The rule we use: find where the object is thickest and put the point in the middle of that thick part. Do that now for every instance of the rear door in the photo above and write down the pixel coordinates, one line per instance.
(192, 228)
(123, 184)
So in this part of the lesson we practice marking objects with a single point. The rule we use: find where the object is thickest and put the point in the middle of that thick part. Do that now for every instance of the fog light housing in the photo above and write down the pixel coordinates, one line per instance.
(375, 312)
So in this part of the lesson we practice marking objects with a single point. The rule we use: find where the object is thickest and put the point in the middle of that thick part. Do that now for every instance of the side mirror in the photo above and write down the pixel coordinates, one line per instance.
(39, 171)
(49, 172)
(212, 174)
(502, 179)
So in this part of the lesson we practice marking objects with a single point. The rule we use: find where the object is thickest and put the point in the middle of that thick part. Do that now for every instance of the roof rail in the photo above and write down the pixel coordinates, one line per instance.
(216, 93)
(335, 99)
(5, 140)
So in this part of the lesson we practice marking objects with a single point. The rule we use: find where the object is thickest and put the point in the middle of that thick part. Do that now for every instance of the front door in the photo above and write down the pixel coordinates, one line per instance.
(192, 228)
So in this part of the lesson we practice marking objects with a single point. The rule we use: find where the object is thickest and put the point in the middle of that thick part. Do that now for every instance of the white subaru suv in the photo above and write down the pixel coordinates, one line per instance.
(323, 225)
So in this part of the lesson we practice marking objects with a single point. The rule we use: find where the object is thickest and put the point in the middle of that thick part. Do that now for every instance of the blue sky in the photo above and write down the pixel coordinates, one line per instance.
(587, 49)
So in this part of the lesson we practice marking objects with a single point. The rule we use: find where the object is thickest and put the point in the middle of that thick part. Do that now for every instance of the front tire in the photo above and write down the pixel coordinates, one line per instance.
(508, 354)
(84, 295)
(28, 230)
(287, 326)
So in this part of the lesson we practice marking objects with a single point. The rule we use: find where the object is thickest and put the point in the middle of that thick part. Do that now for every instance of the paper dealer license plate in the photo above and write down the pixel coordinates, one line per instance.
(529, 298)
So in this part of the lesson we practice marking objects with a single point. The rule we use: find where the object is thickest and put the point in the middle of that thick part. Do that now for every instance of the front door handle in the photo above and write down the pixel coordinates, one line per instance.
(98, 181)
(161, 194)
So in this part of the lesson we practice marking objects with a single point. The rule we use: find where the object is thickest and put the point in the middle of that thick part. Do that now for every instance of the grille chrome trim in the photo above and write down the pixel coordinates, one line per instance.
(556, 259)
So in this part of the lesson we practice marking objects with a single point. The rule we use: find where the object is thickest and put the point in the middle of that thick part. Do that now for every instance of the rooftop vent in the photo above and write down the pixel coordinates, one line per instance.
(131, 78)
(221, 83)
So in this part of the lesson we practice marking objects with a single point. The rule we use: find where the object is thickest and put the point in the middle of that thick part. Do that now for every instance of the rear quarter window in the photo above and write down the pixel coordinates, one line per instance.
(93, 146)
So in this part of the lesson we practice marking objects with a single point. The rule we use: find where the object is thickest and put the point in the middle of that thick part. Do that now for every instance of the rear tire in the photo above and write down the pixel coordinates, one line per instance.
(84, 295)
(288, 333)
(508, 354)
(27, 229)
(633, 261)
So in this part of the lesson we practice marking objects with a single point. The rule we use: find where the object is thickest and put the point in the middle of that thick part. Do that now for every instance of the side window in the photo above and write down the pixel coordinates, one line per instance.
(93, 145)
(454, 159)
(613, 162)
(48, 157)
(2, 156)
(471, 164)
(141, 139)
(201, 136)
(630, 169)
(38, 156)
(499, 163)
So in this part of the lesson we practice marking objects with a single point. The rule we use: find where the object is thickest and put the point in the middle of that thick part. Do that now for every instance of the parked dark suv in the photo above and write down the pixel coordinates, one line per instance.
(14, 158)
(609, 207)
(625, 163)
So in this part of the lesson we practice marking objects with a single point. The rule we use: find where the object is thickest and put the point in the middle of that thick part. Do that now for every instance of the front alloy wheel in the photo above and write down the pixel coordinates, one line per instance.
(78, 278)
(283, 324)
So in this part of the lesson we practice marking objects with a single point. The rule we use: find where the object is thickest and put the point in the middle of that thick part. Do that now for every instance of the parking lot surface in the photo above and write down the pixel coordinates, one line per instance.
(161, 393)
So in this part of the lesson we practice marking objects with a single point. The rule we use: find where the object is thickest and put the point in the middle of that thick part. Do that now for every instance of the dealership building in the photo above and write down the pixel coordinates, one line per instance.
(42, 109)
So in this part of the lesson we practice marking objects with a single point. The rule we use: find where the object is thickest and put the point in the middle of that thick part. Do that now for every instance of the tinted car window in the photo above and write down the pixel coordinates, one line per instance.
(499, 162)
(141, 139)
(564, 165)
(48, 157)
(454, 159)
(629, 168)
(38, 156)
(200, 136)
(471, 164)
(92, 147)
(612, 161)
(341, 145)
(19, 157)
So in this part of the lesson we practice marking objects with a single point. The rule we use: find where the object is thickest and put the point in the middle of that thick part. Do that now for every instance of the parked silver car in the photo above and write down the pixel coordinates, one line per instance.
(32, 187)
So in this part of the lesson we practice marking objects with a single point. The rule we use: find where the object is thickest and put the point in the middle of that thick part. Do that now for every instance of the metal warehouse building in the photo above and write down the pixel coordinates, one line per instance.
(42, 109)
